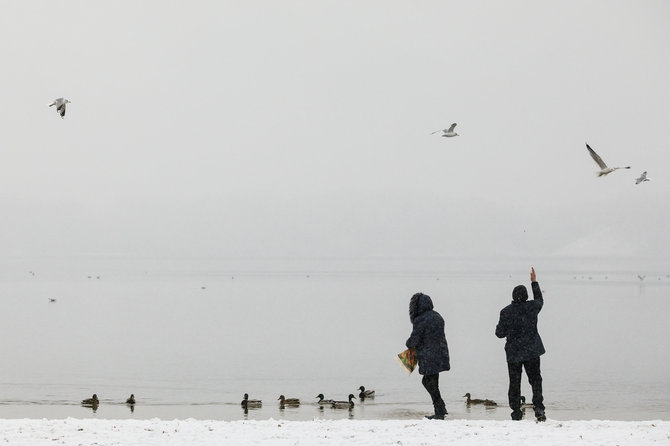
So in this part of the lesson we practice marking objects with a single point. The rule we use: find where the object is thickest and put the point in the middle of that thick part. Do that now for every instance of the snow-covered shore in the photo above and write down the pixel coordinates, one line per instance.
(99, 432)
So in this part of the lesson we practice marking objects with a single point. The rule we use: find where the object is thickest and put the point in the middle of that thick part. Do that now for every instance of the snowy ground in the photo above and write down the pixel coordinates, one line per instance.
(330, 432)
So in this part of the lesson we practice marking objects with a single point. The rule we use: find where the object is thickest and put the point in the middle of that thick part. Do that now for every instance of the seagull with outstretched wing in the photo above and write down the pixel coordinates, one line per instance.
(642, 178)
(447, 133)
(604, 170)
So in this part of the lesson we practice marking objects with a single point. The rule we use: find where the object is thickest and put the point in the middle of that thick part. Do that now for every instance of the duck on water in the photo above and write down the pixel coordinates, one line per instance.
(283, 401)
(91, 402)
(344, 404)
(247, 403)
(365, 393)
(322, 401)
(478, 401)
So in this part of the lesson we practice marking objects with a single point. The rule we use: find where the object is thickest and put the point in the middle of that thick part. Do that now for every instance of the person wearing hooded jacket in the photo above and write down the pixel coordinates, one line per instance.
(430, 344)
(518, 323)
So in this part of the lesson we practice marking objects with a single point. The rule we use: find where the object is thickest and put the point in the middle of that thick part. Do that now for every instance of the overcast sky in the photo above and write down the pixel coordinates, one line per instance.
(303, 127)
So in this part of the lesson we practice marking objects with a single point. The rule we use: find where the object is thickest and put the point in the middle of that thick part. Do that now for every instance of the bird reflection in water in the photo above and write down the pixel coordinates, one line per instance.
(348, 405)
(93, 407)
(91, 403)
(131, 402)
(323, 401)
(250, 404)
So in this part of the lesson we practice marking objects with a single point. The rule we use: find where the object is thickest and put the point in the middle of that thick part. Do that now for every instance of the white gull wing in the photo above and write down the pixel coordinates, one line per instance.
(57, 102)
(451, 129)
(642, 178)
(596, 158)
(60, 104)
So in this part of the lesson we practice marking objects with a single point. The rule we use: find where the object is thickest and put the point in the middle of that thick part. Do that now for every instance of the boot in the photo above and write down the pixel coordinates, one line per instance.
(440, 411)
(540, 416)
(517, 415)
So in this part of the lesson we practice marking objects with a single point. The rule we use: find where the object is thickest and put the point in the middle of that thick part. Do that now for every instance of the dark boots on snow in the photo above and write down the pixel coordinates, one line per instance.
(440, 411)
(539, 416)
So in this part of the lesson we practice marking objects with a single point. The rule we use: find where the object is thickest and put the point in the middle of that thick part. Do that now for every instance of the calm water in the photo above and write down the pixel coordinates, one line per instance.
(190, 337)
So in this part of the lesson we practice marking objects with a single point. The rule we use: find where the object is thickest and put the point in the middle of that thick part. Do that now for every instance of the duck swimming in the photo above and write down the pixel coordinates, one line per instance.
(344, 404)
(288, 401)
(92, 401)
(246, 402)
(478, 401)
(131, 400)
(322, 401)
(365, 393)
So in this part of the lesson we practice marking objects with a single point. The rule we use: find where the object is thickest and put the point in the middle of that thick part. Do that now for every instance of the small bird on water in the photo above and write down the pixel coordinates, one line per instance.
(131, 400)
(344, 404)
(365, 393)
(60, 104)
(322, 401)
(92, 401)
(283, 401)
(246, 402)
(478, 401)
(447, 133)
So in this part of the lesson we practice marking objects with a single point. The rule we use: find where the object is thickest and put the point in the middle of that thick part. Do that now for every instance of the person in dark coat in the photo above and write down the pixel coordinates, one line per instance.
(430, 344)
(518, 323)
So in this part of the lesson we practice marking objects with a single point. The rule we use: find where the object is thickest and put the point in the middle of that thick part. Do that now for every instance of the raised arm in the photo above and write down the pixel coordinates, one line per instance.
(537, 292)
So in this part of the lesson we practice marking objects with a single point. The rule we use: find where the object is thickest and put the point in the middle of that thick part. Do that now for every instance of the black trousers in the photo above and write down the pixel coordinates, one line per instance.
(432, 385)
(534, 378)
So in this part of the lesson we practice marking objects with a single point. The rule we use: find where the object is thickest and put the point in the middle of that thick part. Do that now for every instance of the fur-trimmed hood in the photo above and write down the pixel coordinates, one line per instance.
(419, 304)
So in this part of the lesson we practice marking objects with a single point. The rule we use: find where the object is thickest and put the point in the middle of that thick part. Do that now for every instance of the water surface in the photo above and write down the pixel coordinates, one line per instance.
(190, 337)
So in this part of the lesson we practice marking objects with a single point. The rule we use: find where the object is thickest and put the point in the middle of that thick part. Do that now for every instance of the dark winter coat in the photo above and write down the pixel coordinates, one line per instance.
(518, 323)
(428, 339)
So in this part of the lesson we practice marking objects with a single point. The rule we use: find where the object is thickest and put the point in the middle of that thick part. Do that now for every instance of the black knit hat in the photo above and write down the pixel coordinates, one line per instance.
(520, 294)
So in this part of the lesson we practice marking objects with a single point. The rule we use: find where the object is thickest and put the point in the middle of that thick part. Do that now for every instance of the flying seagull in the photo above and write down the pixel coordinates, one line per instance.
(447, 133)
(60, 106)
(642, 178)
(604, 170)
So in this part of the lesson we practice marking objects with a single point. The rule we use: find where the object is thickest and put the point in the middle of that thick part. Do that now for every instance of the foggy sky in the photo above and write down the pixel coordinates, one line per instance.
(303, 128)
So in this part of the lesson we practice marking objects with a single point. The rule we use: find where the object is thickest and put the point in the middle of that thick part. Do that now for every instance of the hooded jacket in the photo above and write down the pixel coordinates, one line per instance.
(518, 323)
(427, 338)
